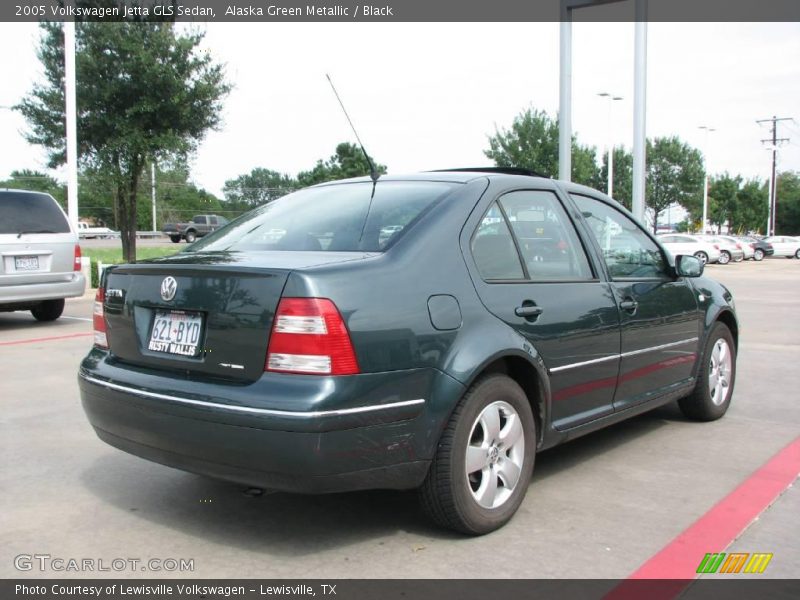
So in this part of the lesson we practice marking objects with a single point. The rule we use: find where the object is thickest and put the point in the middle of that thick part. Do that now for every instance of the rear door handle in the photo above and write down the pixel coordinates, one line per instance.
(629, 305)
(528, 311)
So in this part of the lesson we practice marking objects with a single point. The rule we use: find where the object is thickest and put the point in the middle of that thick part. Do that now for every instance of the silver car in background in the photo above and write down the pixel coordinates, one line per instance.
(728, 251)
(785, 245)
(747, 250)
(40, 259)
(683, 243)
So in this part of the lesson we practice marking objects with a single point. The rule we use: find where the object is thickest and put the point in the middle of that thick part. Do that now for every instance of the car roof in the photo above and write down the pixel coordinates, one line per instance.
(456, 175)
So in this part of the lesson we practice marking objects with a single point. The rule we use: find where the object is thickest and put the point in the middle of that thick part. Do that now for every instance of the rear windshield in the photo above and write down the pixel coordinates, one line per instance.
(25, 212)
(334, 218)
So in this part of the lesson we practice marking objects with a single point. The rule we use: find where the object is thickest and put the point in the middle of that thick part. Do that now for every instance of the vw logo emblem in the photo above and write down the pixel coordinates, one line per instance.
(168, 288)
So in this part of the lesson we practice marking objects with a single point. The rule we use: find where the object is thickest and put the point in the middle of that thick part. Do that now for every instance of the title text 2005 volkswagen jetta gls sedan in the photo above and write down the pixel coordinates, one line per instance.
(431, 331)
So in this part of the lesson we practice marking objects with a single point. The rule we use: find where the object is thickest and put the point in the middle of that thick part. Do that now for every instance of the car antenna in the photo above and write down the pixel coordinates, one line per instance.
(373, 172)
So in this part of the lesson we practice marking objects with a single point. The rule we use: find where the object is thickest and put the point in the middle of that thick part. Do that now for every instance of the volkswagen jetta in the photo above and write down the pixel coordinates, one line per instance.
(432, 331)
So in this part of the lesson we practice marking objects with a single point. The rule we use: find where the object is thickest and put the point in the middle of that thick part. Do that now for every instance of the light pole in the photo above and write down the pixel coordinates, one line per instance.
(705, 181)
(611, 98)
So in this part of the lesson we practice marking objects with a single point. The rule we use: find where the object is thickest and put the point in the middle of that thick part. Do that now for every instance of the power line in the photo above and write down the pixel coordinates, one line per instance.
(775, 140)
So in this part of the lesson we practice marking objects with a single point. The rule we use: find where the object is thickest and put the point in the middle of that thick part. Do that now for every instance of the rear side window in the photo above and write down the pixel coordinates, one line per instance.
(347, 217)
(493, 248)
(26, 212)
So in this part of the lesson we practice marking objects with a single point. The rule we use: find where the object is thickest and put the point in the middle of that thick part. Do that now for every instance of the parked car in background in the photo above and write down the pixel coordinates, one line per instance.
(747, 250)
(683, 243)
(760, 247)
(728, 251)
(86, 231)
(785, 245)
(198, 227)
(432, 331)
(40, 259)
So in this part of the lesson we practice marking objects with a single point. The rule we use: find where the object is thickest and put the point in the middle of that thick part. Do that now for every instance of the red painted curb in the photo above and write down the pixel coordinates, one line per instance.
(715, 530)
(47, 339)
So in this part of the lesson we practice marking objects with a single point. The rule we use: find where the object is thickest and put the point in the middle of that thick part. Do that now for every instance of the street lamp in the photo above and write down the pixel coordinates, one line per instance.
(611, 98)
(705, 182)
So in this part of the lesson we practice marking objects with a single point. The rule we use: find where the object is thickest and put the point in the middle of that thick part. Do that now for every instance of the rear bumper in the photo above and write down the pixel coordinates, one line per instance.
(70, 285)
(383, 439)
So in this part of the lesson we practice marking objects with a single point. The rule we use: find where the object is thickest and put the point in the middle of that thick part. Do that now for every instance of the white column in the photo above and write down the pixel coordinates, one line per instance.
(640, 110)
(72, 118)
(565, 99)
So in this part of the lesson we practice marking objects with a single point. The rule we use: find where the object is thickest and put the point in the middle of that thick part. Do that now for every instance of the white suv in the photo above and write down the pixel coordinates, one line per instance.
(40, 259)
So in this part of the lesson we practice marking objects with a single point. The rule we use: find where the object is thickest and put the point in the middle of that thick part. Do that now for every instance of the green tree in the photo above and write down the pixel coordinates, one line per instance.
(532, 143)
(752, 200)
(37, 181)
(257, 187)
(674, 175)
(144, 92)
(179, 199)
(348, 161)
(623, 176)
(787, 212)
(723, 201)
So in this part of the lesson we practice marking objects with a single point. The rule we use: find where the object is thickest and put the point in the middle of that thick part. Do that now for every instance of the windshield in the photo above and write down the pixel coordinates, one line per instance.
(26, 212)
(333, 218)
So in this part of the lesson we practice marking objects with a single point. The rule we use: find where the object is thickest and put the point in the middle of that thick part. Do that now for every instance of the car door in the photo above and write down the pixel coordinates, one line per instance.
(659, 315)
(532, 271)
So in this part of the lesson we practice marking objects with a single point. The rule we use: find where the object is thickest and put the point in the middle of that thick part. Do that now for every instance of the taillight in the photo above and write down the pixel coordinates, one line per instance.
(99, 319)
(739, 246)
(77, 264)
(309, 336)
(753, 246)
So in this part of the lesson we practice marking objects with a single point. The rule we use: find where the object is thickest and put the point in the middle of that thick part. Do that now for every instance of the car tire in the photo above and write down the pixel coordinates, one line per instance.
(701, 256)
(797, 254)
(191, 236)
(715, 379)
(758, 254)
(724, 257)
(495, 407)
(49, 310)
(740, 259)
(175, 239)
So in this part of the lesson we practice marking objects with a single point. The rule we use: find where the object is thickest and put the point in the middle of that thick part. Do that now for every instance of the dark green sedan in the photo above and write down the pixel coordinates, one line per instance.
(432, 331)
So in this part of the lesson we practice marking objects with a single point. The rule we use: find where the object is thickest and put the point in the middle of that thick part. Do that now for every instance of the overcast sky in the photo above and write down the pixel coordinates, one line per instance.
(426, 96)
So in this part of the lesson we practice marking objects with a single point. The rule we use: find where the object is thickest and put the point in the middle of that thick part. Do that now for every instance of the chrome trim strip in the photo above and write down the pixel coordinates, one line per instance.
(584, 363)
(661, 347)
(623, 355)
(250, 410)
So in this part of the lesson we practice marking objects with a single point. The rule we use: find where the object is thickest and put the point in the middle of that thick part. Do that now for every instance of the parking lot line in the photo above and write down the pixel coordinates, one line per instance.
(48, 339)
(720, 526)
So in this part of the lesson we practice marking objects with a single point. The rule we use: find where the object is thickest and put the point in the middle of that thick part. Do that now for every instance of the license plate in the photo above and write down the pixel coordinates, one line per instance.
(26, 263)
(175, 332)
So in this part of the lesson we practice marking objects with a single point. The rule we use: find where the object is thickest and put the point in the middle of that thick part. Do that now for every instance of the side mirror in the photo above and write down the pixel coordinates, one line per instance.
(688, 266)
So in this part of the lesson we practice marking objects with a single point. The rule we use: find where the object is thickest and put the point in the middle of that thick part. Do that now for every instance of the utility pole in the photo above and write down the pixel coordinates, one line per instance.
(153, 189)
(611, 98)
(704, 226)
(773, 194)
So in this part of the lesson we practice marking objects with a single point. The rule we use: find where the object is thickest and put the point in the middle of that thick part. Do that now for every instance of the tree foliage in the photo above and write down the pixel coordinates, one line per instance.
(675, 174)
(144, 92)
(532, 143)
(36, 181)
(623, 176)
(787, 213)
(257, 187)
(348, 161)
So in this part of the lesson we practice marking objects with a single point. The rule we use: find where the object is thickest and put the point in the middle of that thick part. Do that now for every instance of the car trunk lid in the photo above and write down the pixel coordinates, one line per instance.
(214, 317)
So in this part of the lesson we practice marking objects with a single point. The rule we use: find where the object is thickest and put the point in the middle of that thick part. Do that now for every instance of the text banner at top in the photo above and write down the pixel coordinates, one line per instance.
(399, 10)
